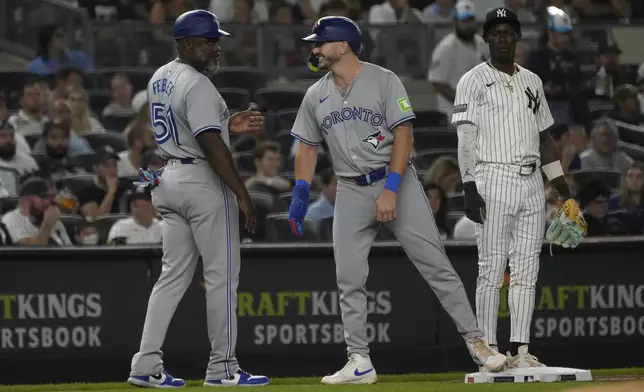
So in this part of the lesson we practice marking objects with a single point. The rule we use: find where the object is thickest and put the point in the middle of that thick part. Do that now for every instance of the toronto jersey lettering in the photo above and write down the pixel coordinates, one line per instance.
(357, 127)
(177, 92)
(509, 111)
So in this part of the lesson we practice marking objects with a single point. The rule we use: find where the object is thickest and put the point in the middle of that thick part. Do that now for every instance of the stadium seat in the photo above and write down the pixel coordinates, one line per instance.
(116, 140)
(279, 230)
(77, 183)
(430, 138)
(245, 175)
(10, 180)
(11, 83)
(288, 176)
(117, 122)
(246, 78)
(278, 99)
(236, 99)
(71, 222)
(636, 152)
(98, 100)
(244, 161)
(457, 201)
(286, 118)
(244, 143)
(7, 204)
(430, 118)
(86, 161)
(285, 140)
(611, 178)
(424, 159)
(264, 199)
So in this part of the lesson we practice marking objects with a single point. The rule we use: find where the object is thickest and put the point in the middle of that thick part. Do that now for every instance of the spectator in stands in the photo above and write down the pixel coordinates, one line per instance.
(593, 200)
(152, 160)
(561, 135)
(445, 173)
(9, 156)
(58, 153)
(243, 49)
(627, 106)
(81, 119)
(110, 10)
(103, 196)
(46, 96)
(442, 11)
(603, 9)
(267, 156)
(557, 66)
(140, 139)
(64, 142)
(523, 12)
(439, 205)
(65, 79)
(142, 227)
(456, 54)
(323, 207)
(287, 49)
(86, 233)
(121, 94)
(36, 220)
(391, 12)
(609, 72)
(254, 11)
(29, 119)
(53, 53)
(164, 12)
(631, 191)
(603, 152)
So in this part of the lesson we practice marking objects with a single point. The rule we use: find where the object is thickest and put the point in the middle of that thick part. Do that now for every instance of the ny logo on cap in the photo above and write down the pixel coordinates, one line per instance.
(500, 13)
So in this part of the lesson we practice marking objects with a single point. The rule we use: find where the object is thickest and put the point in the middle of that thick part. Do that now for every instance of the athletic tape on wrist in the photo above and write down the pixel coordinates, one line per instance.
(393, 182)
(553, 170)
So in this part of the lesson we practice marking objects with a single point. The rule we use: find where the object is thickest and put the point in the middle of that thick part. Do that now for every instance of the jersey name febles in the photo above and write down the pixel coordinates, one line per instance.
(357, 128)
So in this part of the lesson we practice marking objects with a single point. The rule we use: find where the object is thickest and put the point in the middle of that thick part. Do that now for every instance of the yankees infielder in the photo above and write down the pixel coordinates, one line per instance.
(503, 125)
(363, 113)
(195, 193)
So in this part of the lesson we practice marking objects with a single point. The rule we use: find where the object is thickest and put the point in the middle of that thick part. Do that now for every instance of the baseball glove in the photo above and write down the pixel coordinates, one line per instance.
(568, 227)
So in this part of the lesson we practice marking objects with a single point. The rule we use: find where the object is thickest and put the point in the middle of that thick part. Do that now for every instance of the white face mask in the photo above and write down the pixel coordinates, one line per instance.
(91, 239)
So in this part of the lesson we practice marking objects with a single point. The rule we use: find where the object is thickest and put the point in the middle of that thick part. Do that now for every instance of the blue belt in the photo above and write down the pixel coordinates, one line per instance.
(370, 178)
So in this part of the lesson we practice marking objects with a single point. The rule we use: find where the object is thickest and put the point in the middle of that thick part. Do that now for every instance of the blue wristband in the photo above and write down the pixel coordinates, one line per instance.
(393, 181)
(302, 183)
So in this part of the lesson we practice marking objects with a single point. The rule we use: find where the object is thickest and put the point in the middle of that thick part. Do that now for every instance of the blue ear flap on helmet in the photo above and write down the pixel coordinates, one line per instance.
(334, 29)
(313, 63)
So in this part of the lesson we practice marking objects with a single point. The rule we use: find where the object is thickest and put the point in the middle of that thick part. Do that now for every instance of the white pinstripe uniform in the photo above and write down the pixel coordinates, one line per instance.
(509, 112)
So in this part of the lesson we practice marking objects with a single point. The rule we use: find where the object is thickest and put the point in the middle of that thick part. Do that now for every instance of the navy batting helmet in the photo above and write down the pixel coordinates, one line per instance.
(337, 29)
(198, 23)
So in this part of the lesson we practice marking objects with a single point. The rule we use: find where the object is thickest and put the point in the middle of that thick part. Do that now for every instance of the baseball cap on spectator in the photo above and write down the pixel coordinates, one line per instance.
(606, 47)
(464, 9)
(35, 186)
(559, 21)
(140, 193)
(104, 153)
(501, 15)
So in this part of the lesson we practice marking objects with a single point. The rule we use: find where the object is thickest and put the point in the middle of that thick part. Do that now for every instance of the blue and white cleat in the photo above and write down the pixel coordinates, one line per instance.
(358, 370)
(163, 380)
(240, 379)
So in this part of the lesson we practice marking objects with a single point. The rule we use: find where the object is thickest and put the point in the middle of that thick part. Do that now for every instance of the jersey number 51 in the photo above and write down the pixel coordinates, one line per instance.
(164, 125)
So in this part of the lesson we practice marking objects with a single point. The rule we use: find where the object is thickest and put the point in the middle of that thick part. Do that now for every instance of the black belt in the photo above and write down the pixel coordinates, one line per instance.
(185, 161)
(368, 179)
(527, 170)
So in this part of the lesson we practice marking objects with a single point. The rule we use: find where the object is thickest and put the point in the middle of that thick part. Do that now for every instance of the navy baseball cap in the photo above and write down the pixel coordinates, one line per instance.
(501, 15)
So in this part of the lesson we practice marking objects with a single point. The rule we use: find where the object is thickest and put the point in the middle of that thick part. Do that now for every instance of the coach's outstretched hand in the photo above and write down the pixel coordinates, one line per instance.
(474, 204)
(247, 121)
(299, 206)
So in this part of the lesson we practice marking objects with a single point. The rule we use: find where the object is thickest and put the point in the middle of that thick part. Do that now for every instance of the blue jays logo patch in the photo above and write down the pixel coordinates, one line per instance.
(375, 139)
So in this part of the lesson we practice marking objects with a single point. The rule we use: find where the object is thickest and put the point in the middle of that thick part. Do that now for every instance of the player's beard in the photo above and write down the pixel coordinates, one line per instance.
(324, 63)
(211, 65)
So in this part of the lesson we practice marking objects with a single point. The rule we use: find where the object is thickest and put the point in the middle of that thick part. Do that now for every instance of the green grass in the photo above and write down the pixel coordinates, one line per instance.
(443, 382)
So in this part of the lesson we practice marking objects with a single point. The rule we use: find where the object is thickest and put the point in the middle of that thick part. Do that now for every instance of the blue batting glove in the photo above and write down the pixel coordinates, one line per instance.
(299, 206)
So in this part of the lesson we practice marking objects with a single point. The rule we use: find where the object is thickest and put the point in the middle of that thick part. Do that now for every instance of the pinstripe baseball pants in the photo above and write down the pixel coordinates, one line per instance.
(514, 229)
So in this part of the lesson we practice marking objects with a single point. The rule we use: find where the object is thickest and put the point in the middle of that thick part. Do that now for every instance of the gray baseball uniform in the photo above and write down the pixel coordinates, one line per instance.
(200, 217)
(359, 129)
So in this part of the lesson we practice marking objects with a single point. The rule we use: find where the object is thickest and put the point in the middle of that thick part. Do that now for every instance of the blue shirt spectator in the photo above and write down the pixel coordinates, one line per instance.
(323, 207)
(54, 53)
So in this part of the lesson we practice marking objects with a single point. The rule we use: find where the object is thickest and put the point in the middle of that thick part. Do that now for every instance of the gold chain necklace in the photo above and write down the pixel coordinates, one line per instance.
(507, 82)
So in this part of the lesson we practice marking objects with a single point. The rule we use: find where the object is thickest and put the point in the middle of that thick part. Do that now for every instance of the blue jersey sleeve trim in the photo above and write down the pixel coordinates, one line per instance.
(413, 116)
(310, 143)
(207, 128)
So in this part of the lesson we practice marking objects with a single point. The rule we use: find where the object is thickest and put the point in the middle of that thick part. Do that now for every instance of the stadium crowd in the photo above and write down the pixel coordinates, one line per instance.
(73, 135)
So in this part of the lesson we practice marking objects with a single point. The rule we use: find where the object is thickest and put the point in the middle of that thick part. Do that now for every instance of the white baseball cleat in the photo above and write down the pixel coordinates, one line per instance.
(523, 359)
(358, 370)
(486, 356)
